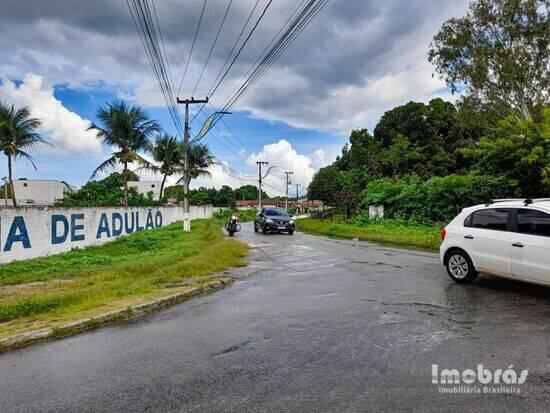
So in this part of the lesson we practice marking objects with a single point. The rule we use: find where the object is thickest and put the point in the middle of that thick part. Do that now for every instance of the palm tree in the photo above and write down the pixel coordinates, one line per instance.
(168, 153)
(18, 133)
(128, 129)
(199, 160)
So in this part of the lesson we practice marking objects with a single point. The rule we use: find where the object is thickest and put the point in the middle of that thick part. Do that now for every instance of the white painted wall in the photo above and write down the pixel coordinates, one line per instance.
(29, 232)
(144, 187)
(39, 191)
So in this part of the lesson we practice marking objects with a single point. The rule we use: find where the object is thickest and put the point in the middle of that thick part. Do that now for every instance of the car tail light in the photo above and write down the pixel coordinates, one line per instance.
(443, 234)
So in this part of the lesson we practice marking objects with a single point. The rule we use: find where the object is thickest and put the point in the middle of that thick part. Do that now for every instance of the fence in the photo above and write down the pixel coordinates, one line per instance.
(30, 232)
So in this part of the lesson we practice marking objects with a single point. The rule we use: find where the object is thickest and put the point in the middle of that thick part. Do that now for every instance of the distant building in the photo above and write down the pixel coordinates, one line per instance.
(303, 205)
(40, 192)
(144, 187)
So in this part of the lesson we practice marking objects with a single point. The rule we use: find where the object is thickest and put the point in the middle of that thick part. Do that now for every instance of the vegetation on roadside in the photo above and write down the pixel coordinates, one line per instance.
(385, 231)
(47, 291)
(427, 161)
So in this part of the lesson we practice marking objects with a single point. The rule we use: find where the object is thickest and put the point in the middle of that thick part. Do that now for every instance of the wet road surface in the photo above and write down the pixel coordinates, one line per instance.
(318, 325)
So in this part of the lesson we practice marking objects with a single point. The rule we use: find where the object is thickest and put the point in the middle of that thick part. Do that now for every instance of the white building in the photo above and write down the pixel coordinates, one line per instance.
(144, 187)
(40, 191)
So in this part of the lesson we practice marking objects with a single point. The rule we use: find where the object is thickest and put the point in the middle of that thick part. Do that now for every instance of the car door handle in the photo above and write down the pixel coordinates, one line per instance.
(517, 244)
(469, 236)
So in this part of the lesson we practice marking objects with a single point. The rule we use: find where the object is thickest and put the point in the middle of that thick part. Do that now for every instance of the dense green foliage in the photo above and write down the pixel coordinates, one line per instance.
(107, 192)
(427, 161)
(223, 197)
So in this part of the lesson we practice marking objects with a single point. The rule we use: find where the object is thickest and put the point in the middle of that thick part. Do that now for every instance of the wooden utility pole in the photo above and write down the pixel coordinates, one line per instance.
(297, 185)
(260, 163)
(287, 173)
(186, 177)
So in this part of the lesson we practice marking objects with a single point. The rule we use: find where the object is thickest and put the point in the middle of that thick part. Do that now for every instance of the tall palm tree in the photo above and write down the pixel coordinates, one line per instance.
(167, 151)
(199, 160)
(18, 133)
(128, 129)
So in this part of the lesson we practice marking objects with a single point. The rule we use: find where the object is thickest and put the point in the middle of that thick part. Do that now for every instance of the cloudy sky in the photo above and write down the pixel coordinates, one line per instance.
(357, 59)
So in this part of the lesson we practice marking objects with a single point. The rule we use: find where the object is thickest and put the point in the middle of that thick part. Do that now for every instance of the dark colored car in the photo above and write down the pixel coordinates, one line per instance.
(273, 220)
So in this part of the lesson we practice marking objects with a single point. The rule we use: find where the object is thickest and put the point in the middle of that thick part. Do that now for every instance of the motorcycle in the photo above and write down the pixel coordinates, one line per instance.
(233, 225)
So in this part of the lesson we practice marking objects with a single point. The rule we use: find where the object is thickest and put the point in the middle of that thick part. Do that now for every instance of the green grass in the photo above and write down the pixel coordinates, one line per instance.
(141, 266)
(386, 231)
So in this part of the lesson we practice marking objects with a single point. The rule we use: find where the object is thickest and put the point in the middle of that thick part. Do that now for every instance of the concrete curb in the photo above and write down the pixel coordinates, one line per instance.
(84, 324)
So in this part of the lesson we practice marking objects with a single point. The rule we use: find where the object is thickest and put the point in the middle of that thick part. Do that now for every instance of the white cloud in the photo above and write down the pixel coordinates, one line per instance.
(284, 157)
(67, 130)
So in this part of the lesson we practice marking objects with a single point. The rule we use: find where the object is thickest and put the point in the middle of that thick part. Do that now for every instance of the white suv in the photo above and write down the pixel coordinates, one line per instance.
(505, 237)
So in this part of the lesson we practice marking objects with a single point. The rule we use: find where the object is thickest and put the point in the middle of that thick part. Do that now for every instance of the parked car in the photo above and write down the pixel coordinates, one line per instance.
(508, 238)
(273, 220)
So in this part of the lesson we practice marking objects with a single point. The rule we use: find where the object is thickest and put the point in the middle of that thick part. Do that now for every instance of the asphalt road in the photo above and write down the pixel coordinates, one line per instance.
(318, 325)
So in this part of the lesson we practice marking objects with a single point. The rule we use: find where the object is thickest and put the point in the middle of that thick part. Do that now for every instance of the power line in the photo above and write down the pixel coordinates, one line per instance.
(217, 82)
(149, 36)
(213, 45)
(312, 8)
(192, 46)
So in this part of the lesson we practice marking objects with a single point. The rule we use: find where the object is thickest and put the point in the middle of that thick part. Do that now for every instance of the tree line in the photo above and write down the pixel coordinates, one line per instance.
(129, 130)
(427, 161)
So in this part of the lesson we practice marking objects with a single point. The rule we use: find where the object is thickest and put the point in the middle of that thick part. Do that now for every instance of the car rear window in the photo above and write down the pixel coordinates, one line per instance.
(533, 222)
(495, 219)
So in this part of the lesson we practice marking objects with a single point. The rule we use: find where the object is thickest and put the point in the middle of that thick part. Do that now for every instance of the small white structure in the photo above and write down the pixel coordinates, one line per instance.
(144, 187)
(40, 192)
(376, 212)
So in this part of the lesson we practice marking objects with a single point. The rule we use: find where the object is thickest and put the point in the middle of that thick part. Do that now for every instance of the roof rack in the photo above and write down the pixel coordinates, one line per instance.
(526, 201)
(495, 201)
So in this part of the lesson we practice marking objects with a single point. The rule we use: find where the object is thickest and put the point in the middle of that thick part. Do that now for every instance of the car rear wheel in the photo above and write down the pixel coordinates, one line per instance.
(460, 267)
(255, 228)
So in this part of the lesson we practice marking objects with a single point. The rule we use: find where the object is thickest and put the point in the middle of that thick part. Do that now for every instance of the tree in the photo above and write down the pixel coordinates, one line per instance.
(518, 150)
(500, 53)
(199, 160)
(324, 185)
(225, 197)
(18, 134)
(128, 129)
(249, 192)
(107, 192)
(199, 198)
(166, 151)
(399, 155)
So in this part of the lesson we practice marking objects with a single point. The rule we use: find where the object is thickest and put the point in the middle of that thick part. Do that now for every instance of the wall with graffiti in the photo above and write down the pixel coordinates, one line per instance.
(30, 232)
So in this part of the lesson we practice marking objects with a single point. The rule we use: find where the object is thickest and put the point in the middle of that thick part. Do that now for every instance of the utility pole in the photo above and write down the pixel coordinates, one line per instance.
(287, 173)
(297, 185)
(5, 190)
(260, 163)
(186, 178)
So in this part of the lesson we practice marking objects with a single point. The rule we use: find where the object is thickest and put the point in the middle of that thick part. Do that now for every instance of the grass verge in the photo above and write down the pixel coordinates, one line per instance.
(386, 231)
(51, 291)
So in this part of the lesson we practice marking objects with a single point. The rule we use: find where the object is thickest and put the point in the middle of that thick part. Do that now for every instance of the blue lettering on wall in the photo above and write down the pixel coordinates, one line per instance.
(158, 219)
(18, 233)
(138, 227)
(56, 238)
(128, 229)
(149, 223)
(103, 226)
(117, 224)
(76, 227)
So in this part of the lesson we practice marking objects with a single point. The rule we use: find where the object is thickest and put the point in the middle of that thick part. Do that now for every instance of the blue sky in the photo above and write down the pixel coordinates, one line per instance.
(357, 60)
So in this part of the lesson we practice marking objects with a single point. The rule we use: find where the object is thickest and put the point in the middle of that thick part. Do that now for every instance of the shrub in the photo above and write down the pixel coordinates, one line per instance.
(438, 199)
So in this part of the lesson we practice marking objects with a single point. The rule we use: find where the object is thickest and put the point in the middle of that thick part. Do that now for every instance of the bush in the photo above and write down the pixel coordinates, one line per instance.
(438, 199)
